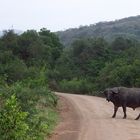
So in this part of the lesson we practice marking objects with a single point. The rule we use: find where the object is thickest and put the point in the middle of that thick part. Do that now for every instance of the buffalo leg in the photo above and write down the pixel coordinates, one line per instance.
(138, 117)
(124, 110)
(115, 111)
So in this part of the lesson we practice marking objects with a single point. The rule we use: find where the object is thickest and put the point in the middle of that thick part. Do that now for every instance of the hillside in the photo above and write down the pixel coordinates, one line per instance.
(126, 27)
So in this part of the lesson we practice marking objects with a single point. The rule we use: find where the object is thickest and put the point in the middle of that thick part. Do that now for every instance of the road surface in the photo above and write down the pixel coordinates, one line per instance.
(89, 118)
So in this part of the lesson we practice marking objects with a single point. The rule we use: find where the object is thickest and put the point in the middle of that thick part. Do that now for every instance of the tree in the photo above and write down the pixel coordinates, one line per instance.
(121, 44)
(53, 45)
(9, 41)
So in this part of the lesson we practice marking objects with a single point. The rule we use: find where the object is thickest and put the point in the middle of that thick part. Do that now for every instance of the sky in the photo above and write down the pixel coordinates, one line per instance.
(58, 15)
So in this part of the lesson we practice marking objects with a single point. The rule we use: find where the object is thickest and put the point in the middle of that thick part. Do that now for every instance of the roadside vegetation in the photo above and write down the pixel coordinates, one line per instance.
(27, 105)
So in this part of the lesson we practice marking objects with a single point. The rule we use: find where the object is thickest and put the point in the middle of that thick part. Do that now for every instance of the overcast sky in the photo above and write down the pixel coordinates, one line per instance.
(62, 14)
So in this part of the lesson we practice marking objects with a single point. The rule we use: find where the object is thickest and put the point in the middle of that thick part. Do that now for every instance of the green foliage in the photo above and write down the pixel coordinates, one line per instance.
(52, 118)
(81, 58)
(13, 121)
(9, 40)
(76, 86)
(24, 64)
(119, 73)
(100, 63)
(120, 44)
(51, 41)
(35, 98)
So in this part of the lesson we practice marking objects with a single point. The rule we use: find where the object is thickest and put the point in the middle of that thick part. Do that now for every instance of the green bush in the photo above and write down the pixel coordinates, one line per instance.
(76, 86)
(34, 97)
(120, 72)
(21, 59)
(13, 124)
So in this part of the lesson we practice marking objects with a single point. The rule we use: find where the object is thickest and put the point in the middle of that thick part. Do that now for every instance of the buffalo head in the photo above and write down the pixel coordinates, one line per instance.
(110, 93)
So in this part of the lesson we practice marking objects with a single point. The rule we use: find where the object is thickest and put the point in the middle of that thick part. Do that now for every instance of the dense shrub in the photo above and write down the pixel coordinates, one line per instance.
(33, 97)
(13, 123)
(76, 86)
(119, 73)
(23, 61)
(102, 64)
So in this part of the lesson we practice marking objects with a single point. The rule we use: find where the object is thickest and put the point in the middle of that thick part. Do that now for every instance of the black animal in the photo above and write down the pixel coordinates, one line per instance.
(123, 97)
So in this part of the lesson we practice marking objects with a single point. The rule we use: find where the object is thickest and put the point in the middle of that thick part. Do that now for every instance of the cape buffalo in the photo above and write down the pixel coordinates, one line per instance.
(123, 97)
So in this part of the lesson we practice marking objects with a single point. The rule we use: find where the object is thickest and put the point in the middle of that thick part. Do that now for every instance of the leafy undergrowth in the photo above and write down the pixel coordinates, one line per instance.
(49, 116)
(28, 110)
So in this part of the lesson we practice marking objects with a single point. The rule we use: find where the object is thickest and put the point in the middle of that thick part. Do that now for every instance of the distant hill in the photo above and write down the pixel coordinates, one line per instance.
(126, 27)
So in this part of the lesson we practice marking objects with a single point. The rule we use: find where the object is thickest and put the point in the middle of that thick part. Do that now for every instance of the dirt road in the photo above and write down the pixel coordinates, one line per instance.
(89, 118)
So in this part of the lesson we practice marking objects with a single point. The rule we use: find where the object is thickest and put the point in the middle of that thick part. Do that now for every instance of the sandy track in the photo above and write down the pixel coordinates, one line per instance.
(89, 118)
